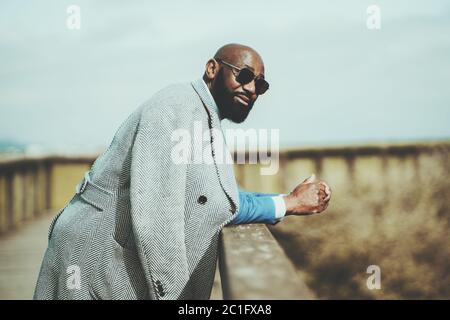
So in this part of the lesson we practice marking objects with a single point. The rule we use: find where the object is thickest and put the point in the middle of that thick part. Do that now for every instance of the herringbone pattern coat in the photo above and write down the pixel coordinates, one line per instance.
(141, 226)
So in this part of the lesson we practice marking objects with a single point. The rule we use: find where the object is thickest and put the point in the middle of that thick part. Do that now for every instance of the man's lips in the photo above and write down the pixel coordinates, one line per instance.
(243, 99)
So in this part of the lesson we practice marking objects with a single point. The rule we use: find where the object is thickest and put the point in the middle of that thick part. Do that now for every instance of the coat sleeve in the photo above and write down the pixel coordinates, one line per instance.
(157, 196)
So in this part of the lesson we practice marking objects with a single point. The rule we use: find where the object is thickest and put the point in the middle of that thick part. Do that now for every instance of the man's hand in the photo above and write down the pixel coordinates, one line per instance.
(309, 197)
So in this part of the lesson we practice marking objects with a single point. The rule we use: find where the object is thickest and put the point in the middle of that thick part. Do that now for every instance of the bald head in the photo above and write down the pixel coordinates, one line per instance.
(240, 55)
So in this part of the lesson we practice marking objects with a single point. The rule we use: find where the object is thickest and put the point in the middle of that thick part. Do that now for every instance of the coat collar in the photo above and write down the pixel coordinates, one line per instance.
(203, 91)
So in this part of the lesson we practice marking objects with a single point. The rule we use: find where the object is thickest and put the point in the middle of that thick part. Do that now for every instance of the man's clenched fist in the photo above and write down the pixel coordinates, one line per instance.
(309, 197)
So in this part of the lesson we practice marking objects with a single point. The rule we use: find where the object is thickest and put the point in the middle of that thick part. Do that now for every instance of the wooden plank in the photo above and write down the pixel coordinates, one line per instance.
(21, 254)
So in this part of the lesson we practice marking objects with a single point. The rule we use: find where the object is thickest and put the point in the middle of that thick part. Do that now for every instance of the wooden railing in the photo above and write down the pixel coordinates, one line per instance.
(254, 266)
(32, 186)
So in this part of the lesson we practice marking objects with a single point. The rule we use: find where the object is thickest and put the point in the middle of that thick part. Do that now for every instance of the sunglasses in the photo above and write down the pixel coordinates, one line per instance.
(245, 76)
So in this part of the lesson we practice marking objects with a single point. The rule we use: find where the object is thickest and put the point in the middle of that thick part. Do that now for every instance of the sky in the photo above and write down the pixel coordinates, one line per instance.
(333, 80)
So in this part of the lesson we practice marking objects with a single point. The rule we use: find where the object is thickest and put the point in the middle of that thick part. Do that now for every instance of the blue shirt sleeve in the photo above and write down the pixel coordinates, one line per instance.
(255, 207)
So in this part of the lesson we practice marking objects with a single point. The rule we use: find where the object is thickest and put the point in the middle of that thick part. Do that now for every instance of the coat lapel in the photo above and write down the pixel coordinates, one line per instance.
(220, 152)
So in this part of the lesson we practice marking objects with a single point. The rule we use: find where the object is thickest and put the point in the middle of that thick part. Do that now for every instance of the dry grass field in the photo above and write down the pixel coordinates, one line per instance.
(392, 212)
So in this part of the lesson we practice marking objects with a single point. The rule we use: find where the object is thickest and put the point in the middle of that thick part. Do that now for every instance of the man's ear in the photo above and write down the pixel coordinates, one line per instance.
(211, 69)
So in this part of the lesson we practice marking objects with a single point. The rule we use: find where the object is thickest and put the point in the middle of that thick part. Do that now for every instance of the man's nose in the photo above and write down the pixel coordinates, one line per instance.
(250, 87)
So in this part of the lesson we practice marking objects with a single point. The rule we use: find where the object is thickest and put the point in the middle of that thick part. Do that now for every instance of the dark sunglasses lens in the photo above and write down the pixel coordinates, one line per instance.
(261, 86)
(245, 76)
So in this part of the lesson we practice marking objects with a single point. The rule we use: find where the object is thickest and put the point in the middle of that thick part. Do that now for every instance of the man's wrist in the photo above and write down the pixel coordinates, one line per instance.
(289, 204)
(280, 207)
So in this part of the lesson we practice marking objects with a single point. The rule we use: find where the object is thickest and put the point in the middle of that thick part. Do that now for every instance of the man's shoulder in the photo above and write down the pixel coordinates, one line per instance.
(173, 98)
(176, 101)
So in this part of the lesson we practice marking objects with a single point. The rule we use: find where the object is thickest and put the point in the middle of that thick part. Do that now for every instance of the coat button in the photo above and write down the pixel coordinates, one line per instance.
(202, 199)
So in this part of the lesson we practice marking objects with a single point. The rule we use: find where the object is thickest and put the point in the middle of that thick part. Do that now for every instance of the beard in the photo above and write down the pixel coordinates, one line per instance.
(229, 109)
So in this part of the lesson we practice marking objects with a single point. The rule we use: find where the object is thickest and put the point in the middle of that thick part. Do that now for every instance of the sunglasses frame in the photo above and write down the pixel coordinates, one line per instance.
(255, 78)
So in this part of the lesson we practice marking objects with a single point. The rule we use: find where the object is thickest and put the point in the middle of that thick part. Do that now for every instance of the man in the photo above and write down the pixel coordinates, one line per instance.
(143, 226)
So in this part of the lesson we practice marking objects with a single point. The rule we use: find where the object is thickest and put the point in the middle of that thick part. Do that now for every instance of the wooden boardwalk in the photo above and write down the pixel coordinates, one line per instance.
(21, 253)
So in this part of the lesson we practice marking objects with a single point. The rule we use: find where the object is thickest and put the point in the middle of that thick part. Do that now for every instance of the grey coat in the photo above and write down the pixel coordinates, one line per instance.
(141, 226)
